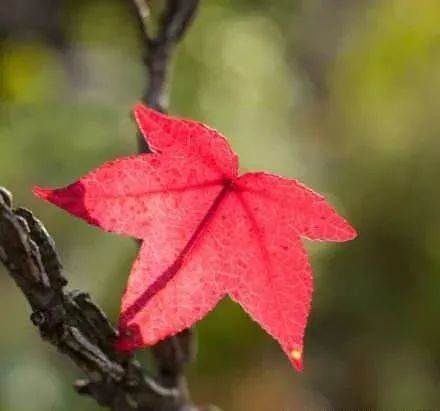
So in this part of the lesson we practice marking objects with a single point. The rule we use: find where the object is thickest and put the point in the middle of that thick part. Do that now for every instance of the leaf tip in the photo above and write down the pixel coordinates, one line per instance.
(344, 231)
(138, 107)
(351, 232)
(43, 193)
(296, 358)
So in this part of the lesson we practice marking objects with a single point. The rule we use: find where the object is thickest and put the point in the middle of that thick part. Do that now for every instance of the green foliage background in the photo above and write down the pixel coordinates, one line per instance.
(341, 95)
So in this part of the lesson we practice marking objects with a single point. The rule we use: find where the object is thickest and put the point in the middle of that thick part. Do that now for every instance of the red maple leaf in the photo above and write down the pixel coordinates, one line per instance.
(206, 233)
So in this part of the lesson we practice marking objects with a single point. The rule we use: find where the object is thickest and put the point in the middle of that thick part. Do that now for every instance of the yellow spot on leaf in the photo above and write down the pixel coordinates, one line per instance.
(296, 354)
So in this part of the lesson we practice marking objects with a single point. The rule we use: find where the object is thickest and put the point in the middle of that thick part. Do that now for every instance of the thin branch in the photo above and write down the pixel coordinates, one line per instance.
(173, 23)
(175, 20)
(143, 12)
(172, 354)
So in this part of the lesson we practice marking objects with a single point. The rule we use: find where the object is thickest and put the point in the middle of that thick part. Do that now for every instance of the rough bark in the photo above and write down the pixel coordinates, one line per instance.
(71, 322)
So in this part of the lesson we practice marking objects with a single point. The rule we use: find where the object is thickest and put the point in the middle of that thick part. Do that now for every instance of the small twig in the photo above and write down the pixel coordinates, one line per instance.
(173, 23)
(143, 12)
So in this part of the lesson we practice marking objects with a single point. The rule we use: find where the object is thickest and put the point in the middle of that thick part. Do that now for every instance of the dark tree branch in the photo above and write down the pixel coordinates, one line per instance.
(143, 14)
(173, 23)
(172, 354)
(71, 322)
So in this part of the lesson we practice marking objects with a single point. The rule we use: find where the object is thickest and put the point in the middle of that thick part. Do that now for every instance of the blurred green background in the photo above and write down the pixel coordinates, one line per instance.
(343, 95)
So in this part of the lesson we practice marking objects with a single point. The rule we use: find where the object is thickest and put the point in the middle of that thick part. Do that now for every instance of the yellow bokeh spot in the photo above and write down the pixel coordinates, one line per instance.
(296, 354)
(30, 72)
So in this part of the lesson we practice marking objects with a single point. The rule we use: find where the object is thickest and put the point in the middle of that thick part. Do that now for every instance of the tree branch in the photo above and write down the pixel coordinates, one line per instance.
(173, 23)
(172, 354)
(71, 322)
